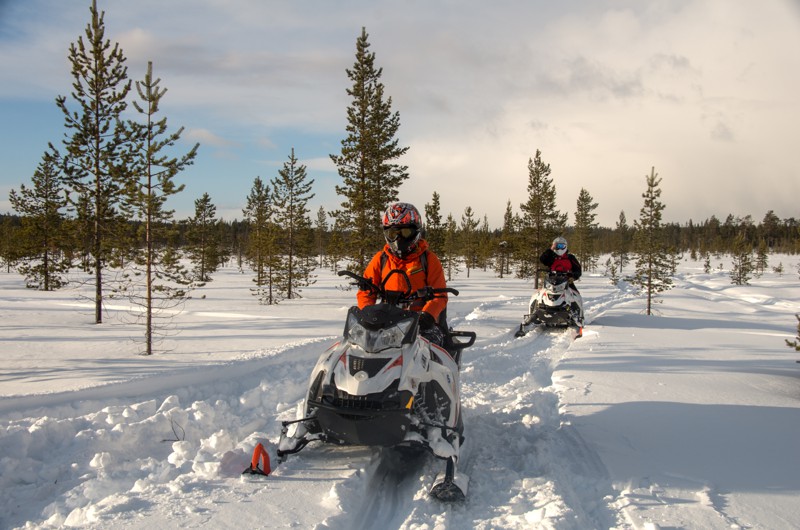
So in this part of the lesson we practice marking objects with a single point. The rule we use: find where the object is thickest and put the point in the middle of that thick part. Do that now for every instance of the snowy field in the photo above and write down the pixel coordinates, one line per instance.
(686, 419)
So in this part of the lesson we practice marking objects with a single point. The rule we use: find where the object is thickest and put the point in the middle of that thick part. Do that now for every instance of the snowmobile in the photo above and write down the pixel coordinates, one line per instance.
(554, 305)
(383, 384)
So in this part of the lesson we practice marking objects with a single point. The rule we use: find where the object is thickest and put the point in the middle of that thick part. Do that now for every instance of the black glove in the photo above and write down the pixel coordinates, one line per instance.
(426, 320)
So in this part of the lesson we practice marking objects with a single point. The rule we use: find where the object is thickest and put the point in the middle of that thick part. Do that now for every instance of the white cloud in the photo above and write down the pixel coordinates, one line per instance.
(205, 136)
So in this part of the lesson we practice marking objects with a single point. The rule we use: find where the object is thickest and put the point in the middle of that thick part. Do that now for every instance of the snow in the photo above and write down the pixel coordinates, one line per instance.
(686, 419)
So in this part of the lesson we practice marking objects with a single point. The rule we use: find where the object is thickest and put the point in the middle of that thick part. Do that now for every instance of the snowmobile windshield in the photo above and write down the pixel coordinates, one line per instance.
(377, 340)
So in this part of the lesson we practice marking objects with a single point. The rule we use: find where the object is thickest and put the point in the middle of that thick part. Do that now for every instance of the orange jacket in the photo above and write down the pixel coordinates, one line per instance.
(413, 267)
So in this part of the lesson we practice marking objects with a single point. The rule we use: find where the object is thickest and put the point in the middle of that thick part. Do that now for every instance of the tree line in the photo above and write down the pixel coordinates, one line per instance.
(97, 203)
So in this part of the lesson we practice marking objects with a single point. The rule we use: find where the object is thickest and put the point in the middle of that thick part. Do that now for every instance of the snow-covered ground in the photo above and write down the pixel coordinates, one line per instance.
(686, 419)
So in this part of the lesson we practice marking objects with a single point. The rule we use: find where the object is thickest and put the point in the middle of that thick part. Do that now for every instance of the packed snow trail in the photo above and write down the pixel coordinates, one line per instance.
(178, 453)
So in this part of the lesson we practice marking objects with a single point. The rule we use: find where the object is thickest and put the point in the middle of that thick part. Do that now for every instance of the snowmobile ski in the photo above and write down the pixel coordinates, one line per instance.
(450, 486)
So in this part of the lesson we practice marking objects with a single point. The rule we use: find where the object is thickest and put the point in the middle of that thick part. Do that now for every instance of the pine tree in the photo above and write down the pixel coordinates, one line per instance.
(434, 230)
(469, 238)
(742, 256)
(762, 258)
(654, 263)
(771, 229)
(621, 243)
(291, 192)
(370, 178)
(582, 243)
(485, 251)
(262, 247)
(11, 241)
(43, 232)
(155, 282)
(449, 253)
(203, 239)
(92, 165)
(335, 249)
(321, 234)
(795, 343)
(541, 221)
(613, 274)
(507, 241)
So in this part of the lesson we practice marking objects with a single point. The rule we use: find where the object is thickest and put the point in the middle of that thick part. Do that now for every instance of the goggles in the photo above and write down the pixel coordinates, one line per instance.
(393, 232)
(560, 246)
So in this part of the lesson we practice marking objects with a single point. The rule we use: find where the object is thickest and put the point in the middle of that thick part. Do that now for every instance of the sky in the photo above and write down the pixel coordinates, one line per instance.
(688, 418)
(704, 91)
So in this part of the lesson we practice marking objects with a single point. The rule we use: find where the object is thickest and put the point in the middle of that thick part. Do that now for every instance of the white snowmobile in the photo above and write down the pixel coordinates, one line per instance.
(555, 305)
(383, 384)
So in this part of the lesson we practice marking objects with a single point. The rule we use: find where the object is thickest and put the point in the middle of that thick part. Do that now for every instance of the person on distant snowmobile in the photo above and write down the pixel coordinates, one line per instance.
(558, 259)
(405, 249)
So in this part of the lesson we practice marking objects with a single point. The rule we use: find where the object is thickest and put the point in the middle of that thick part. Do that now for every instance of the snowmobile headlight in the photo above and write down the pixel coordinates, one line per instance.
(356, 333)
(373, 341)
(390, 337)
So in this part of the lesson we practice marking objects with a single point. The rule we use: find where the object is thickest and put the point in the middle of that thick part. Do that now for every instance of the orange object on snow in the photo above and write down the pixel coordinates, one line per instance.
(260, 456)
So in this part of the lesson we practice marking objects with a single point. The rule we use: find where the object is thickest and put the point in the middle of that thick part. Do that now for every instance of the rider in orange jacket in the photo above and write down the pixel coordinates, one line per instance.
(405, 249)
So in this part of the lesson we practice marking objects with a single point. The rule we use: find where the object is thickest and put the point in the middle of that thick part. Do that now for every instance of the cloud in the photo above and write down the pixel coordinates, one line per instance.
(206, 137)
(721, 132)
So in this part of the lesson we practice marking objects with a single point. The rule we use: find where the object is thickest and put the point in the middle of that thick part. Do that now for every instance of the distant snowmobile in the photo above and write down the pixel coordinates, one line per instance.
(554, 305)
(382, 384)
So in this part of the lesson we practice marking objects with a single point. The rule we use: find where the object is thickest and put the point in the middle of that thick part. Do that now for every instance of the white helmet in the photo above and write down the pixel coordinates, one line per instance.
(560, 246)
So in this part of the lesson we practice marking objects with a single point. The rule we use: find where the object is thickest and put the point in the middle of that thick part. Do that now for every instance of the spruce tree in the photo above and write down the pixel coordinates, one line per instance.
(43, 233)
(155, 281)
(541, 221)
(582, 238)
(92, 165)
(203, 241)
(291, 191)
(370, 176)
(654, 262)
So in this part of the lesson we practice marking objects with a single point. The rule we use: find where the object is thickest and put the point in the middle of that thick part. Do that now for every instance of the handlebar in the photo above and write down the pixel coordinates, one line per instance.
(397, 297)
(568, 274)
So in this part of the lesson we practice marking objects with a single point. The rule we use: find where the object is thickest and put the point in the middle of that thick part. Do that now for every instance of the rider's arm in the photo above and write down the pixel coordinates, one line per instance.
(548, 257)
(576, 267)
(437, 281)
(372, 273)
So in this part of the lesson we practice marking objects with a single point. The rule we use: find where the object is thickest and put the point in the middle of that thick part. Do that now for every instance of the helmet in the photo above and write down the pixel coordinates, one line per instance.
(402, 228)
(560, 246)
